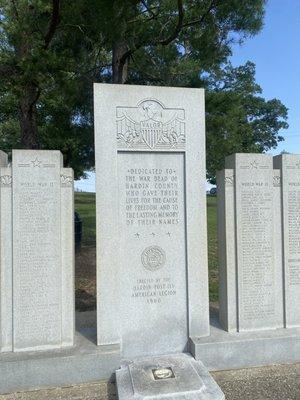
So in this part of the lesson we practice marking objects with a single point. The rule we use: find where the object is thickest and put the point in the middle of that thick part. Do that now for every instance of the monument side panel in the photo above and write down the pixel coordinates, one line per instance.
(290, 173)
(278, 246)
(255, 243)
(37, 276)
(108, 270)
(67, 256)
(152, 243)
(196, 224)
(227, 250)
(5, 259)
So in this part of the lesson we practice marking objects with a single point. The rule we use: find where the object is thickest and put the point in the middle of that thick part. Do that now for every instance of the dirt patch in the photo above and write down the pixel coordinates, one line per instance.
(85, 279)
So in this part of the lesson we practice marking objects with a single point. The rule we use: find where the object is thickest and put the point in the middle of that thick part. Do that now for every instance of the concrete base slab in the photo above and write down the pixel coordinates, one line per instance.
(222, 350)
(177, 376)
(85, 362)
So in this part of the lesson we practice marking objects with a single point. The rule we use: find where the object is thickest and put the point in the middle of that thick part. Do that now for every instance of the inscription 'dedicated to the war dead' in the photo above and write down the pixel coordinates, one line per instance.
(151, 213)
(151, 197)
(256, 271)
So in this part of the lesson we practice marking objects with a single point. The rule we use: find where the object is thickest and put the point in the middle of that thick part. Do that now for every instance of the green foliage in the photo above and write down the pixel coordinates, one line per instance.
(52, 51)
(85, 205)
(238, 119)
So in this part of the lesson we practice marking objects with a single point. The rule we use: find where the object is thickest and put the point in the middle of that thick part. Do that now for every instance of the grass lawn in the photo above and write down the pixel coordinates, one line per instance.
(85, 206)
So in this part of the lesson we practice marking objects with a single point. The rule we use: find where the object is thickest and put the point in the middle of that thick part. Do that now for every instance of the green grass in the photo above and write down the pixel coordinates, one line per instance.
(85, 206)
(212, 247)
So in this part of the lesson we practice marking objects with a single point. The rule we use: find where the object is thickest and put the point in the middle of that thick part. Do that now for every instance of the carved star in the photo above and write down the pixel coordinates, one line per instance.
(169, 234)
(36, 162)
(153, 234)
(137, 235)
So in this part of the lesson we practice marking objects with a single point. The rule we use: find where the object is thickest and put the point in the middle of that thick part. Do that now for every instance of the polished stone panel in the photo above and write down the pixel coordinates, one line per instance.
(250, 244)
(151, 218)
(37, 252)
(176, 376)
(289, 165)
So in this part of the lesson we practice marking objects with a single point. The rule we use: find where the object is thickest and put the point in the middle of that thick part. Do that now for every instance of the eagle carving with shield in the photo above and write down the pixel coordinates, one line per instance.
(150, 125)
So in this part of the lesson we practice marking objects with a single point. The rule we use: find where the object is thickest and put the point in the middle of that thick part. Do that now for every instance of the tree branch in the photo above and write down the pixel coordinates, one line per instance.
(200, 20)
(16, 12)
(7, 71)
(53, 23)
(179, 25)
(150, 10)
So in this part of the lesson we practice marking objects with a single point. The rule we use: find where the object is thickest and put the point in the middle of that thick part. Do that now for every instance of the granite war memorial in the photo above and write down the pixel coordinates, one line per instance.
(37, 252)
(154, 330)
(151, 240)
(259, 211)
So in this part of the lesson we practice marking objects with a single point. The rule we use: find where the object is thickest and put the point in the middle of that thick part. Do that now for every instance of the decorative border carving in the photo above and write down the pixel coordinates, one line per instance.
(153, 258)
(254, 165)
(66, 181)
(276, 181)
(150, 126)
(294, 166)
(229, 180)
(5, 180)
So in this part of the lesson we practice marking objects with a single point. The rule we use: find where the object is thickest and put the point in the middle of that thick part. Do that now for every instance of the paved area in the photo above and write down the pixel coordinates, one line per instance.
(267, 383)
(277, 382)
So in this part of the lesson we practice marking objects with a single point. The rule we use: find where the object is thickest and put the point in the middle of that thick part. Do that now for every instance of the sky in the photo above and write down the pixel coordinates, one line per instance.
(275, 51)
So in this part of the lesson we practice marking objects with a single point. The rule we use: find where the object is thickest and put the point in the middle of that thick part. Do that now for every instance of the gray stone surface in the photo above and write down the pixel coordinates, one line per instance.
(83, 362)
(223, 350)
(166, 377)
(37, 261)
(289, 165)
(5, 255)
(276, 382)
(227, 250)
(86, 362)
(250, 243)
(151, 218)
(256, 282)
(67, 256)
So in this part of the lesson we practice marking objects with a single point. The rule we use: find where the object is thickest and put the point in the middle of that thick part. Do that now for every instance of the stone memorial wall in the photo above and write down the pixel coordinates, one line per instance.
(151, 218)
(37, 252)
(289, 167)
(257, 218)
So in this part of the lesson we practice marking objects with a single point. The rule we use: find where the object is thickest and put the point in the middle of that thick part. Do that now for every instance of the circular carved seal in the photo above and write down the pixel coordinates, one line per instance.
(163, 373)
(153, 258)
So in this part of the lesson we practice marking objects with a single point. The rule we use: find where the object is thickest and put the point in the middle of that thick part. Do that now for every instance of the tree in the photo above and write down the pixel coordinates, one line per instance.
(47, 64)
(51, 51)
(189, 30)
(238, 119)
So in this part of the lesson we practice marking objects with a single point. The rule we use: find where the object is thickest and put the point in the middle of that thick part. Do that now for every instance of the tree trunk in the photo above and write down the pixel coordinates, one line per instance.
(120, 62)
(28, 120)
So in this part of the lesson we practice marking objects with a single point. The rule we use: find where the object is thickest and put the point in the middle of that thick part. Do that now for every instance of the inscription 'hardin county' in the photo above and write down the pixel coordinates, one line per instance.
(150, 125)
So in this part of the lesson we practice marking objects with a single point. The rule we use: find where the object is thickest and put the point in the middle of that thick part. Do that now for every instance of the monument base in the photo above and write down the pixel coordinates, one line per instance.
(84, 362)
(177, 376)
(87, 362)
(223, 350)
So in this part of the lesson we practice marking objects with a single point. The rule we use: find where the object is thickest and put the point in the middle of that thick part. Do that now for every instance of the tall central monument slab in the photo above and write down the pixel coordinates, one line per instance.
(151, 218)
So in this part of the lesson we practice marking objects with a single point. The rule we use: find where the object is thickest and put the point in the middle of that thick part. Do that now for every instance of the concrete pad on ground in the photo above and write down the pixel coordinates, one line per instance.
(276, 382)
